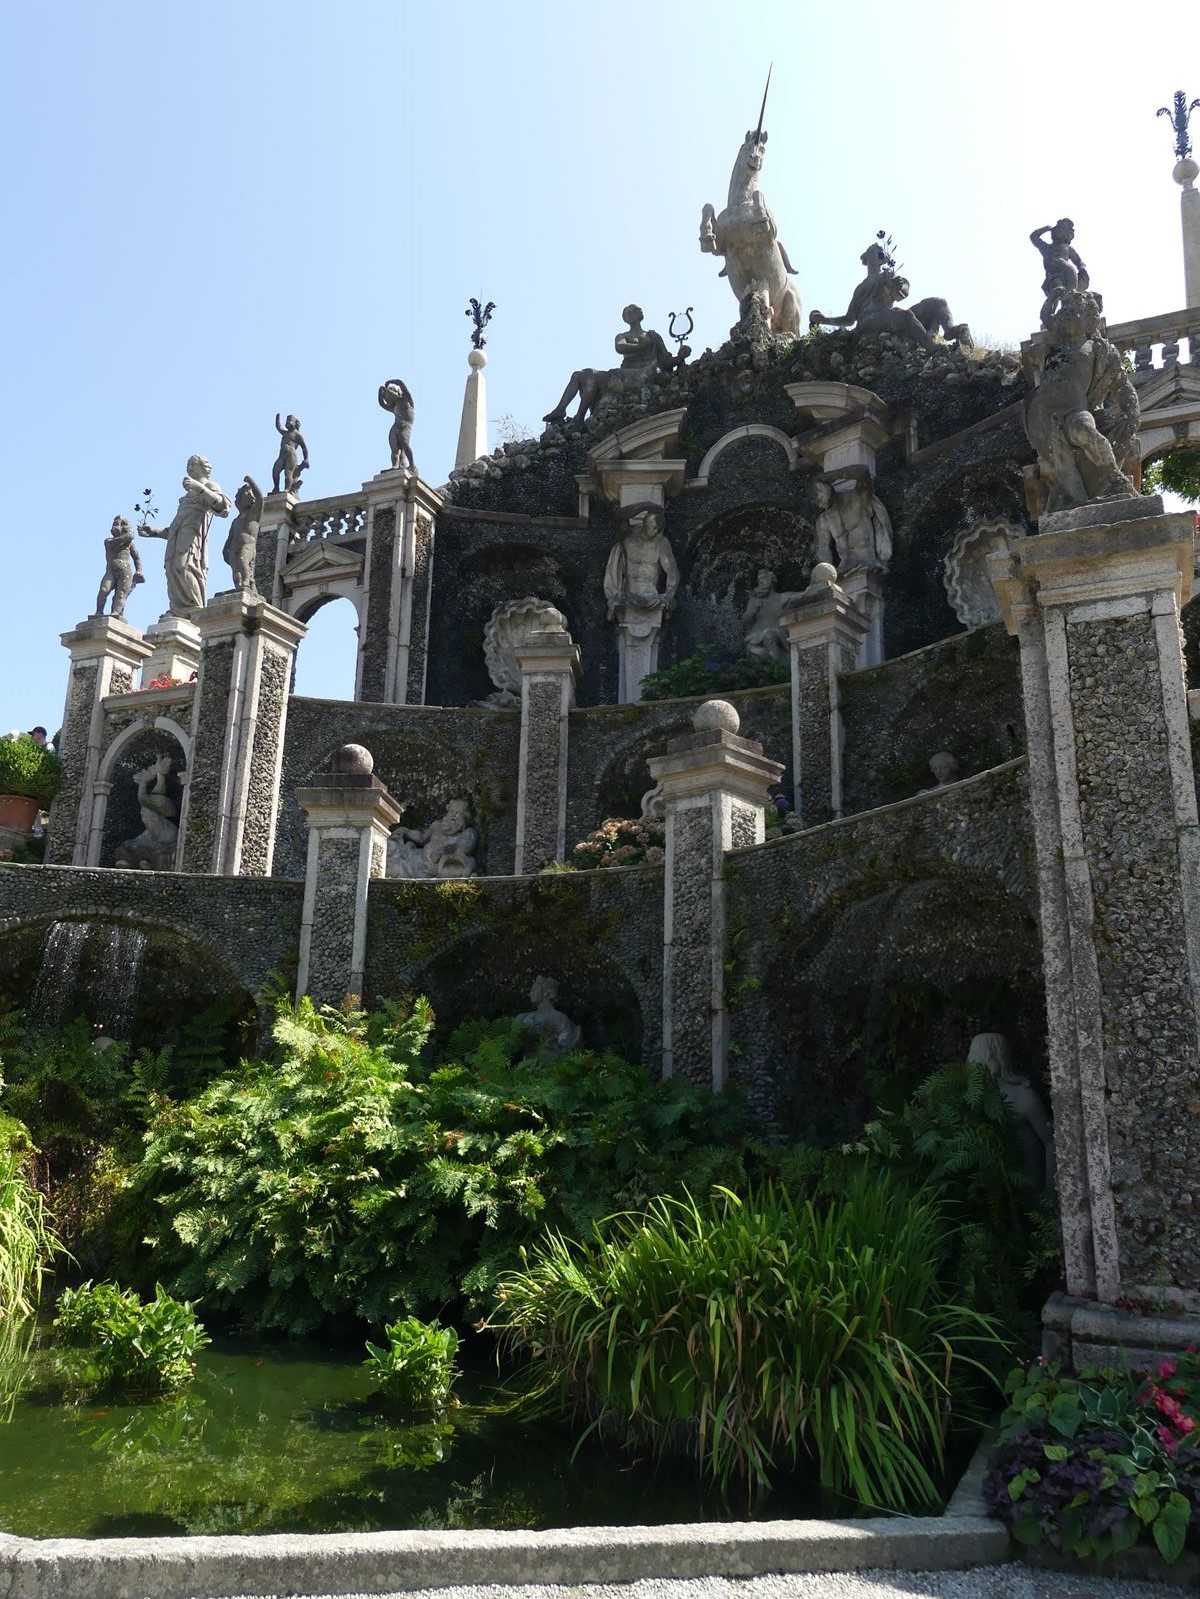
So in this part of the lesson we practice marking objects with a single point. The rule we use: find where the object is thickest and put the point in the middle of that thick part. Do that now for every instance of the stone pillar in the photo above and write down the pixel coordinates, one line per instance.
(715, 786)
(238, 719)
(276, 531)
(825, 631)
(549, 664)
(1094, 599)
(639, 633)
(349, 814)
(472, 430)
(106, 653)
(393, 635)
(1185, 174)
(863, 586)
(174, 649)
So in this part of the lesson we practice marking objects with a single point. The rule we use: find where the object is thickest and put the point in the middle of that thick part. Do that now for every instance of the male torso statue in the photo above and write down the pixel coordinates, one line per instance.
(851, 521)
(636, 563)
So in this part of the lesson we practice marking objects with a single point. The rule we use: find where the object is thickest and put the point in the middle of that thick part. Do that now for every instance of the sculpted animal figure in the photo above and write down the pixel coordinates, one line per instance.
(745, 233)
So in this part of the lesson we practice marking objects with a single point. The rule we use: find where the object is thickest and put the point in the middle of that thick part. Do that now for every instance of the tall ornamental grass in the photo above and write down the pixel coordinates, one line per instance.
(27, 1239)
(762, 1332)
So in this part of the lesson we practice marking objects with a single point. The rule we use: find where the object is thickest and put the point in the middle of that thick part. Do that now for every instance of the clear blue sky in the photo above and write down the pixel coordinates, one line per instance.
(216, 212)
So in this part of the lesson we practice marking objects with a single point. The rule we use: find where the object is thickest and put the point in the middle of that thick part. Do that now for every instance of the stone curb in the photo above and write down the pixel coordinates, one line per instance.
(391, 1562)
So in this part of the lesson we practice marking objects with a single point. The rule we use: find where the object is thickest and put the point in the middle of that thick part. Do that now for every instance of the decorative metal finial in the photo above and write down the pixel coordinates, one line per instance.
(888, 245)
(680, 337)
(762, 108)
(1179, 113)
(481, 316)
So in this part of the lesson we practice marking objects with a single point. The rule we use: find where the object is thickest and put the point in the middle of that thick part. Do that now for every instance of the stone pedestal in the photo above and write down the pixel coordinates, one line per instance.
(394, 632)
(174, 649)
(715, 786)
(1094, 600)
(106, 653)
(825, 631)
(863, 586)
(276, 532)
(639, 633)
(238, 719)
(549, 664)
(349, 814)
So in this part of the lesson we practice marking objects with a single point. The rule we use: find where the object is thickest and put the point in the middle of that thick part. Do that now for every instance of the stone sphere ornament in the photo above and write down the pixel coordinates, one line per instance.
(353, 760)
(823, 572)
(716, 716)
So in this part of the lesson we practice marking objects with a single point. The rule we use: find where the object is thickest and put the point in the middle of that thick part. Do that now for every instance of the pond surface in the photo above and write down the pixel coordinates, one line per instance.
(292, 1439)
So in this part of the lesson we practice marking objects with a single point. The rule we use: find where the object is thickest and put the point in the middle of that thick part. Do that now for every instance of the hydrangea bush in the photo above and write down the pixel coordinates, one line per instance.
(621, 841)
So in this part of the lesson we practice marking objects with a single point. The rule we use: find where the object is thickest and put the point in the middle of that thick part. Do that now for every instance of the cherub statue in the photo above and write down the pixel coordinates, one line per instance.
(1082, 375)
(851, 521)
(186, 559)
(636, 562)
(1065, 272)
(446, 848)
(122, 567)
(293, 456)
(153, 849)
(765, 639)
(242, 544)
(643, 355)
(394, 397)
(556, 1032)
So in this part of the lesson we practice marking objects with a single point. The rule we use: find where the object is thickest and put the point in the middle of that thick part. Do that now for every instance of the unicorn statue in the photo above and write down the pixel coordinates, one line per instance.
(756, 263)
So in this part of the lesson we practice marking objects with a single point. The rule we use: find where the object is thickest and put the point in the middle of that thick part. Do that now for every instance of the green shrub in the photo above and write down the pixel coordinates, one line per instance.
(348, 1175)
(29, 769)
(124, 1346)
(759, 1332)
(417, 1369)
(704, 673)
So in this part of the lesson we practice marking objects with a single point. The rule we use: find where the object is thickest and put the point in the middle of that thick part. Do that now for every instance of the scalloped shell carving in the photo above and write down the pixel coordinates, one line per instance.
(968, 587)
(511, 624)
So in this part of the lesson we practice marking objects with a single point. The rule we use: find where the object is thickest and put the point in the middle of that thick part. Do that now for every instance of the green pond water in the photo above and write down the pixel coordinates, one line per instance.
(292, 1439)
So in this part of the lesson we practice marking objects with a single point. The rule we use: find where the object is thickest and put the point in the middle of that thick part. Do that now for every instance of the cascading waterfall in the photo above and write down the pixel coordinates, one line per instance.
(90, 969)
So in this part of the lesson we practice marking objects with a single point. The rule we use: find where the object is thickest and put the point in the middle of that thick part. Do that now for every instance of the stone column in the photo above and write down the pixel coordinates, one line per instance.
(549, 664)
(825, 631)
(174, 649)
(106, 653)
(639, 633)
(238, 719)
(1185, 174)
(715, 786)
(349, 814)
(472, 430)
(863, 586)
(1094, 599)
(275, 533)
(398, 573)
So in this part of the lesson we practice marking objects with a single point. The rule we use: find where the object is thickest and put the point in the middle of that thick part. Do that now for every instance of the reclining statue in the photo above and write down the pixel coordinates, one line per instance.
(643, 356)
(873, 308)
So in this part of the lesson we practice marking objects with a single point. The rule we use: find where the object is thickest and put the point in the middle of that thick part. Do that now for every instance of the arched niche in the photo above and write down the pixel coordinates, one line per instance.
(719, 569)
(739, 436)
(115, 815)
(483, 580)
(327, 660)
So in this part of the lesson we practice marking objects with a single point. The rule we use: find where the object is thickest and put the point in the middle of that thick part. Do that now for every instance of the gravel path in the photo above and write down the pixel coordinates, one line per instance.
(986, 1582)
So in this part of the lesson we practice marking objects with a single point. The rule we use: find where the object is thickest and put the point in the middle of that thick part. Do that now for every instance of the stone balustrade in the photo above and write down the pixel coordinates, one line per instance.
(339, 517)
(1170, 339)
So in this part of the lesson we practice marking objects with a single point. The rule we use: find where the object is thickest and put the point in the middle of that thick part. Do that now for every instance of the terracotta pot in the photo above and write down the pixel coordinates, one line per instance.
(18, 812)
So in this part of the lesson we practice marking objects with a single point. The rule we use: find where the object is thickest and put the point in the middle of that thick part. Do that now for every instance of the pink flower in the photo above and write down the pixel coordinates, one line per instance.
(1167, 1368)
(1186, 1425)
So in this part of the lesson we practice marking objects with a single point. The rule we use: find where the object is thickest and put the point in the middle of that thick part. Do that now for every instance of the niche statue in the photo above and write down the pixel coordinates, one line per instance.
(851, 521)
(445, 849)
(555, 1031)
(153, 849)
(766, 640)
(242, 544)
(122, 568)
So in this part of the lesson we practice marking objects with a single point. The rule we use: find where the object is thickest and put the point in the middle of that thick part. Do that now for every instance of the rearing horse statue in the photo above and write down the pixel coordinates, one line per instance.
(756, 263)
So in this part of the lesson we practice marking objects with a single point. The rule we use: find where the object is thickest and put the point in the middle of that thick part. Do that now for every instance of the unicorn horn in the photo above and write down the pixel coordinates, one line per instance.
(763, 107)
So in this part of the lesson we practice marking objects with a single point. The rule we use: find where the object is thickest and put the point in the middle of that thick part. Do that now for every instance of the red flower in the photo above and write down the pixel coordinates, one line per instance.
(1167, 1368)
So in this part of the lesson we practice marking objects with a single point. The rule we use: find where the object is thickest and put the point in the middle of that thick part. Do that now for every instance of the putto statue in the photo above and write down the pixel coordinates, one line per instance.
(394, 397)
(745, 233)
(122, 568)
(1065, 272)
(851, 521)
(153, 849)
(292, 459)
(242, 544)
(1082, 376)
(643, 356)
(765, 639)
(186, 558)
(874, 307)
(555, 1031)
(445, 849)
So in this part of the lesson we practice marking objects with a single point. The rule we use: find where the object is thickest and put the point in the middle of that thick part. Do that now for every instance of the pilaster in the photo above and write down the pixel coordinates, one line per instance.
(825, 630)
(715, 787)
(549, 664)
(238, 719)
(276, 531)
(398, 568)
(106, 653)
(174, 649)
(349, 814)
(1094, 599)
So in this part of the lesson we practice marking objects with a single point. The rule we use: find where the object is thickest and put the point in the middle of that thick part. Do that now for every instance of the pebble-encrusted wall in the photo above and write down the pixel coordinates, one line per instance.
(1130, 838)
(379, 581)
(544, 699)
(864, 952)
(331, 955)
(474, 948)
(208, 748)
(426, 756)
(962, 695)
(64, 813)
(261, 800)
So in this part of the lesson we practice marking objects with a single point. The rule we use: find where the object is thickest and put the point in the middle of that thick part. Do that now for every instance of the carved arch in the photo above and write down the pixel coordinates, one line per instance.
(751, 430)
(98, 831)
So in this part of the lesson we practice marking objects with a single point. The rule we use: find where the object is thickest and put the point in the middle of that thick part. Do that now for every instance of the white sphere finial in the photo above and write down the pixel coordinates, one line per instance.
(823, 572)
(716, 716)
(476, 359)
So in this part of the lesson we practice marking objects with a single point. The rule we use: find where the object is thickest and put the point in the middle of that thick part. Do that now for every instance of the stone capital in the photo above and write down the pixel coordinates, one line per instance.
(549, 653)
(343, 800)
(398, 483)
(824, 614)
(107, 636)
(715, 762)
(234, 612)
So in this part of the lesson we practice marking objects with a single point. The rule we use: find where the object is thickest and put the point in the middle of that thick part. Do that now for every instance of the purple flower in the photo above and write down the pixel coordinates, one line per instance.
(782, 803)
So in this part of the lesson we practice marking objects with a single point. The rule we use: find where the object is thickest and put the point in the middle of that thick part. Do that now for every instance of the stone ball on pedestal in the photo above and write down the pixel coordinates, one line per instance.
(823, 572)
(1186, 171)
(476, 360)
(716, 716)
(353, 760)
